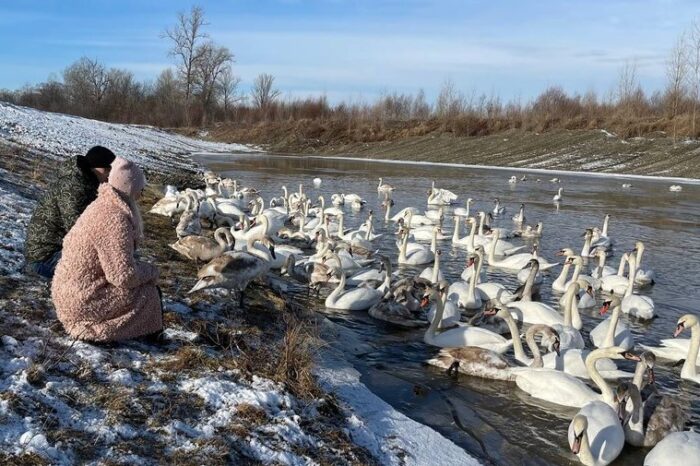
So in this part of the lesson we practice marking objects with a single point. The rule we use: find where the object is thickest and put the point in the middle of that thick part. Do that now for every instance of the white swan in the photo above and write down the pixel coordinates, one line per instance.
(674, 349)
(433, 273)
(566, 390)
(602, 270)
(515, 262)
(356, 299)
(317, 182)
(417, 255)
(498, 209)
(643, 277)
(463, 211)
(617, 283)
(595, 435)
(689, 369)
(520, 216)
(461, 334)
(465, 294)
(678, 448)
(638, 306)
(569, 334)
(612, 332)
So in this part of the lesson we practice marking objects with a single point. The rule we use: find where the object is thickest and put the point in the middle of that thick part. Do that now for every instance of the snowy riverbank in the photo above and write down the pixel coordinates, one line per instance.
(202, 397)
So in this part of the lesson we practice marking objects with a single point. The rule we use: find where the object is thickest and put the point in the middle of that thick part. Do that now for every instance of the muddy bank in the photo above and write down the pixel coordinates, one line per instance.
(578, 150)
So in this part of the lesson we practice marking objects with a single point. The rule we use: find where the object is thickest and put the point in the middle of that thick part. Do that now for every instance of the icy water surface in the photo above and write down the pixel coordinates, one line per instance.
(495, 421)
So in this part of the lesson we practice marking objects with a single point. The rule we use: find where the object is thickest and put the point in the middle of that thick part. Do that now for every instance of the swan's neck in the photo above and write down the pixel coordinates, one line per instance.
(482, 219)
(437, 318)
(585, 455)
(515, 337)
(455, 234)
(640, 251)
(436, 269)
(689, 369)
(250, 247)
(601, 261)
(638, 379)
(388, 210)
(478, 264)
(635, 424)
(529, 283)
(567, 306)
(404, 245)
(433, 243)
(585, 251)
(575, 316)
(577, 272)
(605, 390)
(472, 234)
(561, 279)
(534, 349)
(605, 226)
(341, 226)
(492, 247)
(621, 267)
(387, 278)
(609, 339)
(631, 277)
(340, 288)
(409, 219)
(220, 237)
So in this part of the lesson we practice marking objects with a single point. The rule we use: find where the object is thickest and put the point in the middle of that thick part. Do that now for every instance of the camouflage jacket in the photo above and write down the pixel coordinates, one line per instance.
(65, 199)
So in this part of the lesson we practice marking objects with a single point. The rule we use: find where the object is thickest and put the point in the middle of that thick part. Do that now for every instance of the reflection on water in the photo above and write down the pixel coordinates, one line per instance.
(494, 420)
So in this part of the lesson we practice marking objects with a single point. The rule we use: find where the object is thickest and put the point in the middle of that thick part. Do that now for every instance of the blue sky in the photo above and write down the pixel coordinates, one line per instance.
(357, 49)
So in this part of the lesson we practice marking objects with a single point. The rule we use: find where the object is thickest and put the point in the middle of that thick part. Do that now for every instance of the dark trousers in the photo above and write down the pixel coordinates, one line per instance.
(44, 269)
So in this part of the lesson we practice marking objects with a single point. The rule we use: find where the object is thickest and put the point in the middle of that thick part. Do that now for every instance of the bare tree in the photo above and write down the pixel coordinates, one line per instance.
(208, 68)
(187, 37)
(86, 82)
(228, 90)
(450, 102)
(263, 93)
(693, 75)
(168, 98)
(421, 108)
(627, 86)
(676, 73)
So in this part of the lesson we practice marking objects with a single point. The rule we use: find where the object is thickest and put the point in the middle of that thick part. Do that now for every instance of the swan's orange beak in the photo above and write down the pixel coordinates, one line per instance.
(425, 301)
(576, 445)
(679, 329)
(605, 308)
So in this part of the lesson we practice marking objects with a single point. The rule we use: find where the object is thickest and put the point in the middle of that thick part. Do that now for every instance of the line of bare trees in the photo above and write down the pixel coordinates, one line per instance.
(202, 89)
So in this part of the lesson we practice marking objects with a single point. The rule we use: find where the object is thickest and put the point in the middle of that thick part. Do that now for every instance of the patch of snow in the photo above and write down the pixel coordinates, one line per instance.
(65, 135)
(608, 133)
(393, 438)
(15, 212)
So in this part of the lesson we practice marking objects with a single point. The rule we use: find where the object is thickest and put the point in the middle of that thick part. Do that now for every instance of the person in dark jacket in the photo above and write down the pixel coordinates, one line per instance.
(74, 188)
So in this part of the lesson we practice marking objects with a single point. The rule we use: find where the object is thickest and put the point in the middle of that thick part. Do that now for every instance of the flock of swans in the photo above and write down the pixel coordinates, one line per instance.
(306, 239)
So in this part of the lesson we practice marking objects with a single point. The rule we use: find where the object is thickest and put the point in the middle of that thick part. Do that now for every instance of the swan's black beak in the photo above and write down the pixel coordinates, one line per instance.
(272, 251)
(630, 356)
(650, 374)
(557, 347)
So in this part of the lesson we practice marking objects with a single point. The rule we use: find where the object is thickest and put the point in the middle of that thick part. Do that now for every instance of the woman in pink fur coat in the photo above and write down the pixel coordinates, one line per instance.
(100, 290)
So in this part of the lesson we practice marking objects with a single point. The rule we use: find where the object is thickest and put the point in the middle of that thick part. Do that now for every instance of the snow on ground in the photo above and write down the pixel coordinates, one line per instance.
(65, 135)
(15, 211)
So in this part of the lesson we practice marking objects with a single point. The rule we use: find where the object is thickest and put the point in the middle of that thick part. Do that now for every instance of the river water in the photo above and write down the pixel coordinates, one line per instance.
(495, 421)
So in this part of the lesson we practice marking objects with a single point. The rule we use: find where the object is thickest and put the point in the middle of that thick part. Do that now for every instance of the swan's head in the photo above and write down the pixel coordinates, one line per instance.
(432, 292)
(588, 233)
(579, 425)
(470, 260)
(623, 392)
(496, 201)
(567, 252)
(638, 246)
(686, 321)
(469, 201)
(610, 304)
(649, 360)
(207, 281)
